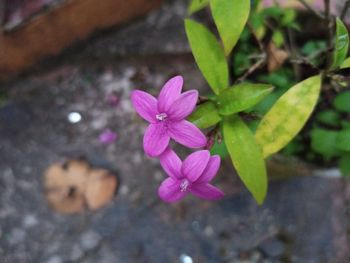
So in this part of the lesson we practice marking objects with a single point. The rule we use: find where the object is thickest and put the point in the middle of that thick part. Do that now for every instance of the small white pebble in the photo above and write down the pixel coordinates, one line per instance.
(54, 259)
(74, 117)
(209, 231)
(185, 259)
(124, 190)
(89, 240)
(30, 221)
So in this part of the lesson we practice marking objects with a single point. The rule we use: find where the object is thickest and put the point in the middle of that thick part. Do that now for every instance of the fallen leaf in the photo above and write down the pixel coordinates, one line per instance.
(74, 185)
(100, 188)
(275, 57)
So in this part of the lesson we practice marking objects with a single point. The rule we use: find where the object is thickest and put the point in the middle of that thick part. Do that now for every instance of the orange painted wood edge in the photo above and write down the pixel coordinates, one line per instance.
(49, 33)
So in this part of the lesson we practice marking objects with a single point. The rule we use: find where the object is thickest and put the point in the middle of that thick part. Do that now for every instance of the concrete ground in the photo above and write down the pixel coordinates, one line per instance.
(304, 219)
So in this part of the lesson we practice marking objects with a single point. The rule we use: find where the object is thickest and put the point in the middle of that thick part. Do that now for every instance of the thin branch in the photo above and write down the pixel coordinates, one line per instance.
(201, 100)
(254, 67)
(329, 25)
(303, 61)
(308, 7)
(292, 50)
(257, 40)
(345, 9)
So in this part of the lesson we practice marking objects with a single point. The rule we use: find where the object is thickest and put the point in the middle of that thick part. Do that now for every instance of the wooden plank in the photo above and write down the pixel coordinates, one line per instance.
(49, 33)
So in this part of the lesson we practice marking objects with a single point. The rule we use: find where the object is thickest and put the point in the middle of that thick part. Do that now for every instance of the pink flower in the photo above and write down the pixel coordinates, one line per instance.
(107, 137)
(191, 176)
(167, 117)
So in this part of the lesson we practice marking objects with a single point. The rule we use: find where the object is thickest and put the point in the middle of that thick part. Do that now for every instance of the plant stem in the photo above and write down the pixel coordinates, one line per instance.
(345, 9)
(329, 25)
(313, 11)
(257, 40)
(293, 54)
(254, 67)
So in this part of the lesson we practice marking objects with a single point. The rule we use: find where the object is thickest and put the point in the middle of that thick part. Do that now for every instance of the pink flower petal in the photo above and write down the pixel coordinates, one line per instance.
(183, 105)
(155, 139)
(187, 134)
(211, 170)
(206, 191)
(194, 165)
(169, 191)
(169, 93)
(171, 163)
(145, 105)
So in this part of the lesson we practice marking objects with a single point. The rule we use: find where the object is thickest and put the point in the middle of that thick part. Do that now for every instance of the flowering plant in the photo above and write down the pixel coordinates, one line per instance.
(228, 110)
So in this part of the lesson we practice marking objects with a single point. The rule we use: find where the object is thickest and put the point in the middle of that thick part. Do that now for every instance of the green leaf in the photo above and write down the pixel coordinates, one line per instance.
(275, 12)
(346, 63)
(246, 156)
(208, 54)
(288, 115)
(345, 124)
(343, 140)
(294, 147)
(288, 17)
(219, 149)
(329, 117)
(205, 115)
(341, 45)
(197, 5)
(241, 97)
(230, 17)
(344, 164)
(324, 142)
(278, 38)
(342, 101)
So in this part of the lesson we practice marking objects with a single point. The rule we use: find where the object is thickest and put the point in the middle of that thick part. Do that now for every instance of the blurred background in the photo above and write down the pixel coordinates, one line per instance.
(67, 68)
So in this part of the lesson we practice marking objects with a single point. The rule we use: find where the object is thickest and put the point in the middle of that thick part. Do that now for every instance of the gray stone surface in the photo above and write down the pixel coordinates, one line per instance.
(304, 219)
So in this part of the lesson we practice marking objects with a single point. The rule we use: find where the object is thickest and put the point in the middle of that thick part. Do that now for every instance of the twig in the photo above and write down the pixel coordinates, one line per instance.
(254, 67)
(293, 54)
(329, 25)
(303, 60)
(308, 7)
(257, 40)
(345, 9)
(201, 100)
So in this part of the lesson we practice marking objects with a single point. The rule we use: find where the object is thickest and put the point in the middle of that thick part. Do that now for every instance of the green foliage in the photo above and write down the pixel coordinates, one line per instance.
(324, 142)
(294, 147)
(278, 38)
(197, 5)
(205, 115)
(241, 97)
(230, 18)
(329, 117)
(286, 109)
(345, 124)
(342, 102)
(346, 63)
(208, 54)
(344, 164)
(282, 80)
(288, 115)
(311, 49)
(282, 17)
(343, 140)
(246, 156)
(341, 45)
(219, 149)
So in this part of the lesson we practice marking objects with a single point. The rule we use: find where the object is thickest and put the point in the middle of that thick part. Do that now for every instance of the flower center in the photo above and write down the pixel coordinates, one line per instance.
(184, 185)
(161, 116)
